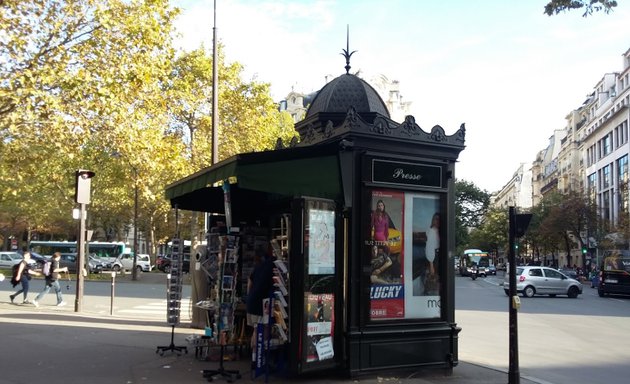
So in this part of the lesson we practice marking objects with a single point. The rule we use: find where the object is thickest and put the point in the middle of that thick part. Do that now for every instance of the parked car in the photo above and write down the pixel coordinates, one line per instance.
(125, 261)
(104, 262)
(8, 259)
(95, 265)
(491, 270)
(536, 280)
(569, 272)
(70, 260)
(165, 264)
(39, 259)
(159, 262)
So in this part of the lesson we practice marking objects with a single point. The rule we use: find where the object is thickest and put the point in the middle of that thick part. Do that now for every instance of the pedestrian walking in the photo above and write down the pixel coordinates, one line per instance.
(22, 276)
(52, 281)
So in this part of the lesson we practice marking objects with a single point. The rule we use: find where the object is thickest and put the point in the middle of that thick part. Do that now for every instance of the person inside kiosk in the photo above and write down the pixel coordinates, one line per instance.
(259, 287)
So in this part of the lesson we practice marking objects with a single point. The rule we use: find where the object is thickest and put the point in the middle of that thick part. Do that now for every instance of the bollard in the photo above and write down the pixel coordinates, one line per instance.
(111, 304)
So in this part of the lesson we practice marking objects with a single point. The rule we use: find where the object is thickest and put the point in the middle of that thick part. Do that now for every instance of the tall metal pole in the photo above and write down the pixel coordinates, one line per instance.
(199, 280)
(215, 91)
(514, 375)
(81, 197)
(134, 273)
(78, 302)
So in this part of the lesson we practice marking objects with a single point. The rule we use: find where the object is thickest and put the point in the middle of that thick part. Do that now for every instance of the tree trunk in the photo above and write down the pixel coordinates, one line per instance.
(567, 244)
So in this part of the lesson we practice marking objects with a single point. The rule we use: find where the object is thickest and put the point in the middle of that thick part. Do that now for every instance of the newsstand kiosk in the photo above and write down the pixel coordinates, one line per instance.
(360, 213)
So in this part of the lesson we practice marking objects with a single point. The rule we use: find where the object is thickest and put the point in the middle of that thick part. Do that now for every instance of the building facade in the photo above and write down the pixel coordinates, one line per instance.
(590, 154)
(605, 146)
(517, 192)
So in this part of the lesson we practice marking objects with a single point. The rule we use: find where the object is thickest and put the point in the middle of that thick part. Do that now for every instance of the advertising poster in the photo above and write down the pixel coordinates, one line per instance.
(384, 248)
(421, 267)
(320, 322)
(321, 242)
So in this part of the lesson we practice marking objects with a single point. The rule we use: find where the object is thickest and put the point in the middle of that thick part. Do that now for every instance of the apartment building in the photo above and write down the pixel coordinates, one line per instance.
(589, 154)
(605, 146)
(517, 192)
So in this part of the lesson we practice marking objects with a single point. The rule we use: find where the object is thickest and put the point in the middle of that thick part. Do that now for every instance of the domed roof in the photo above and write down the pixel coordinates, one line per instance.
(344, 92)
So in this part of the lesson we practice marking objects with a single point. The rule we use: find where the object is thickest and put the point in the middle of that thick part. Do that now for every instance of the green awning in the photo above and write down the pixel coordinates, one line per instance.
(316, 177)
(202, 179)
(287, 172)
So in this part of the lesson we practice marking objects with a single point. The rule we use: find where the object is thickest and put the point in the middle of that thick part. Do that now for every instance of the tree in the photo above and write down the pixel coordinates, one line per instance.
(556, 6)
(542, 237)
(563, 221)
(471, 205)
(248, 119)
(492, 234)
(96, 84)
(81, 79)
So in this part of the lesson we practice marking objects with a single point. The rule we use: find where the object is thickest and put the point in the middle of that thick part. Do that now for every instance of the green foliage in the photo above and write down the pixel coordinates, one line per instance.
(96, 84)
(471, 205)
(492, 234)
(248, 119)
(76, 73)
(556, 6)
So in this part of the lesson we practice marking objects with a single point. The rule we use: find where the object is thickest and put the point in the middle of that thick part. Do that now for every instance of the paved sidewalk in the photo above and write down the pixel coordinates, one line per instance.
(60, 346)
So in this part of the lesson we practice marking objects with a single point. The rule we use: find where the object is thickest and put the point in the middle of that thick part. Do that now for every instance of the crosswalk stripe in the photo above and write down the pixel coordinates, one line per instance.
(154, 308)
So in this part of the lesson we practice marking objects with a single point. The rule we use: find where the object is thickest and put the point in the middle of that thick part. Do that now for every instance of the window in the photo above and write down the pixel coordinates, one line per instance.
(607, 145)
(606, 205)
(535, 272)
(622, 184)
(621, 134)
(552, 274)
(319, 282)
(606, 179)
(622, 170)
(592, 186)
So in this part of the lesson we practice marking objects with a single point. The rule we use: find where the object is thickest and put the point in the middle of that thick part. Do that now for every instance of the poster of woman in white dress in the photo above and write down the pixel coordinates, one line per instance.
(422, 268)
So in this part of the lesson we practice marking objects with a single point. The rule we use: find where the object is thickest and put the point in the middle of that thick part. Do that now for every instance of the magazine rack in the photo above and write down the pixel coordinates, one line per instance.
(174, 297)
(227, 300)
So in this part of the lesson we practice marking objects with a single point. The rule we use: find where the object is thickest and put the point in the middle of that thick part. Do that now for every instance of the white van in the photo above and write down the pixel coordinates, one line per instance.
(125, 261)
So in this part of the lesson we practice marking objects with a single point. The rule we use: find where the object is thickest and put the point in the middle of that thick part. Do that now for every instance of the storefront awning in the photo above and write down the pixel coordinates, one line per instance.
(288, 172)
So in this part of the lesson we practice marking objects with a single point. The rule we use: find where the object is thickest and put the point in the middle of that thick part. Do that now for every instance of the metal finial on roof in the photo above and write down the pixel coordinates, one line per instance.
(346, 52)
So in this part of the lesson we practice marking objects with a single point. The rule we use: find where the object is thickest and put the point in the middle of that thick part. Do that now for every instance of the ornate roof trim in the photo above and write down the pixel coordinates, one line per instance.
(408, 130)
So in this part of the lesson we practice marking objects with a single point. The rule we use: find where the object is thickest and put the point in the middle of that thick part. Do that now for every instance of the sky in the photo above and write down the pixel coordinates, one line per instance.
(504, 68)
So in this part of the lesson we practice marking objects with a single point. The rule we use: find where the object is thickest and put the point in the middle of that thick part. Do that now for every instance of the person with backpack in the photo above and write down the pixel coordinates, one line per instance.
(52, 280)
(21, 275)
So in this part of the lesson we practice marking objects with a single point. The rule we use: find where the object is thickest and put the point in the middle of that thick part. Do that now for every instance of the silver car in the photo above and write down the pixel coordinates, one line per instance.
(535, 280)
(8, 259)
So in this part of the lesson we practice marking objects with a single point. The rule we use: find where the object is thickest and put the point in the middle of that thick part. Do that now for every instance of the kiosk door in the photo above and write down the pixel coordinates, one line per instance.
(320, 288)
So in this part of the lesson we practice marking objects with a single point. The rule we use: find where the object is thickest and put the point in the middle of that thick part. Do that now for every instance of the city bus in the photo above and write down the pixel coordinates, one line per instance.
(474, 257)
(106, 252)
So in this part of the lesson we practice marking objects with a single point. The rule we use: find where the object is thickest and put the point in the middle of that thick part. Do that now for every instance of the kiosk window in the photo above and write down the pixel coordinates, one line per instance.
(402, 248)
(319, 297)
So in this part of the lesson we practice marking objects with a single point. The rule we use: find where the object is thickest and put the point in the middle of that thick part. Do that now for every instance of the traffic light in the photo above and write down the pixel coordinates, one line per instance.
(584, 250)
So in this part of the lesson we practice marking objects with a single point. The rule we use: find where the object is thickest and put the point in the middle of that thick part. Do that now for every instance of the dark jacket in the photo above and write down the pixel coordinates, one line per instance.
(262, 284)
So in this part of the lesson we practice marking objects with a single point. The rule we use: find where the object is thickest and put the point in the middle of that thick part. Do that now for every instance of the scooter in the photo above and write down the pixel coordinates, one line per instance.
(474, 272)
